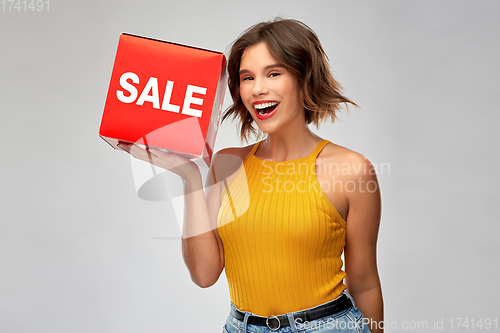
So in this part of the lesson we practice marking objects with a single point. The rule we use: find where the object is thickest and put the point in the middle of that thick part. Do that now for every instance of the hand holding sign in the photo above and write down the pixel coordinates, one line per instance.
(161, 87)
(179, 165)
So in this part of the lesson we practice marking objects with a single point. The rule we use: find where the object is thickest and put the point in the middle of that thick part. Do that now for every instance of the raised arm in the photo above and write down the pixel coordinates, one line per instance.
(202, 249)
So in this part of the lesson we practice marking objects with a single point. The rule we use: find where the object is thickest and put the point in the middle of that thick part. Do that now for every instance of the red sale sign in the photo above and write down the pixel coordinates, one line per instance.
(165, 95)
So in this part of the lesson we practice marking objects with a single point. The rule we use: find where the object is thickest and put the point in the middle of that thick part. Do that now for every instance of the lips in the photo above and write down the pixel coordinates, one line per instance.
(265, 109)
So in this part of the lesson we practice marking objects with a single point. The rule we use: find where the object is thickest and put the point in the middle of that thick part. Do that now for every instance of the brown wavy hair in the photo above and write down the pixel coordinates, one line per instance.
(296, 47)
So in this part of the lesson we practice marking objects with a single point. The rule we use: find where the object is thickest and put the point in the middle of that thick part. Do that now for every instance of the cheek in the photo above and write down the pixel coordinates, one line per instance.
(244, 94)
(243, 90)
(297, 94)
(293, 86)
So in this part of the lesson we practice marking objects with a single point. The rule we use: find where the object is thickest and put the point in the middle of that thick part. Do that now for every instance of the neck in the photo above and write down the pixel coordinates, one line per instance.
(289, 145)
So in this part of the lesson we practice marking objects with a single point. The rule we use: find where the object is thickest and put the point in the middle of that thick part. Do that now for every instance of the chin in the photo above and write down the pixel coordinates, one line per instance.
(268, 129)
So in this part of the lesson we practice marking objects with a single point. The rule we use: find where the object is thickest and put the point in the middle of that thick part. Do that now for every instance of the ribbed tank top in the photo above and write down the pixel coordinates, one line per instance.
(283, 238)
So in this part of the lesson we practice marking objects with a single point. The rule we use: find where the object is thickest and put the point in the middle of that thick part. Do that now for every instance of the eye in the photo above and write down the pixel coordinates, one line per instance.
(246, 78)
(274, 74)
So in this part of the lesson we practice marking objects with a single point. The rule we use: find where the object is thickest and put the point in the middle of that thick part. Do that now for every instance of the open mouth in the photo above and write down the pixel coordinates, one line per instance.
(265, 108)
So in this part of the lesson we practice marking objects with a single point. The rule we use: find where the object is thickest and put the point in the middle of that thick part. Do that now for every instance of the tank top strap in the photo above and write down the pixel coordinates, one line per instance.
(254, 149)
(318, 149)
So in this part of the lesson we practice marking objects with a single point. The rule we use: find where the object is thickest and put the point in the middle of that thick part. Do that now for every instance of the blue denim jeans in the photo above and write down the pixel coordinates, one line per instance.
(346, 321)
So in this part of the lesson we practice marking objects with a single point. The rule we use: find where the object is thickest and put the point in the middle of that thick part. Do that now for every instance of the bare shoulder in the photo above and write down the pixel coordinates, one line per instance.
(341, 160)
(347, 177)
(228, 160)
(241, 152)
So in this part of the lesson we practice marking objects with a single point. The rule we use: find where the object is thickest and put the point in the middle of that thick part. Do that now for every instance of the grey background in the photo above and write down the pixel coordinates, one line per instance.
(81, 252)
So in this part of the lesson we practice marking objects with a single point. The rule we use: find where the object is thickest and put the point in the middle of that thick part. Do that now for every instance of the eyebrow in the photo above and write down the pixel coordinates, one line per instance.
(268, 67)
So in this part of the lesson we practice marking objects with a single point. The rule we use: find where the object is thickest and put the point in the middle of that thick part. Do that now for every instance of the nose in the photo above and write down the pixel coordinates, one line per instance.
(259, 87)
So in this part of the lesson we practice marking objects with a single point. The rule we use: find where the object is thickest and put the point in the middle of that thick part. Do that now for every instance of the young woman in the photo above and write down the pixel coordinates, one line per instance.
(279, 221)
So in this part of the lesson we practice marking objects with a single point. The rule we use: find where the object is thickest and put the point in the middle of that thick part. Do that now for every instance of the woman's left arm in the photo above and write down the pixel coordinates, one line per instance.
(360, 253)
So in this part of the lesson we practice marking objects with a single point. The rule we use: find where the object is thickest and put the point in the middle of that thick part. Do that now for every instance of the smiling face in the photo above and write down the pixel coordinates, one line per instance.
(269, 91)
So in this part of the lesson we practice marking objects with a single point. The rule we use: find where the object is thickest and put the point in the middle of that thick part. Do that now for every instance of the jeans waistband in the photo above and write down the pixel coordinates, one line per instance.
(343, 302)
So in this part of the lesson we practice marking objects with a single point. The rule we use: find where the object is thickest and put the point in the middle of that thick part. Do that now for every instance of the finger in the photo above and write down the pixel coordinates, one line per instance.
(143, 154)
(123, 146)
(157, 151)
(150, 155)
(139, 153)
(151, 150)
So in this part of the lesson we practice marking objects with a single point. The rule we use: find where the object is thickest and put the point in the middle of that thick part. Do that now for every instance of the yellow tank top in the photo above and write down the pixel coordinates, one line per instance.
(282, 237)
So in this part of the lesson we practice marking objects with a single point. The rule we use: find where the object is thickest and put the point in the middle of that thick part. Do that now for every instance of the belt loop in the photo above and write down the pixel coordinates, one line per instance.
(245, 322)
(291, 320)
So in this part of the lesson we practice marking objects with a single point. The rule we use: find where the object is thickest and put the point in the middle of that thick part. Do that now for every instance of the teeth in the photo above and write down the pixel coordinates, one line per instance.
(264, 105)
